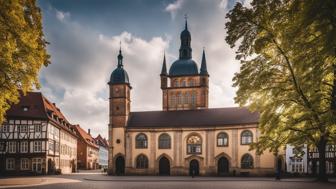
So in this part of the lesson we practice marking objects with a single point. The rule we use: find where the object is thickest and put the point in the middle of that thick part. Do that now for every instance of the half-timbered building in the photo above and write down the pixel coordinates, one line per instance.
(313, 160)
(36, 138)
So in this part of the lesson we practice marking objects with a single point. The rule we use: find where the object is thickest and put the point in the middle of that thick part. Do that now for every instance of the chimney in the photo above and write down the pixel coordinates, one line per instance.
(89, 131)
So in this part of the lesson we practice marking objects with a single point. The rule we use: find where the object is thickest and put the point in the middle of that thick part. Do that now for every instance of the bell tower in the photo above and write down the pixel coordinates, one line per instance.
(119, 109)
(185, 87)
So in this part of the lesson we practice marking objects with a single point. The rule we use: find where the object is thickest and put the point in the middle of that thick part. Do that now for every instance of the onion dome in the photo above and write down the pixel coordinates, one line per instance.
(119, 75)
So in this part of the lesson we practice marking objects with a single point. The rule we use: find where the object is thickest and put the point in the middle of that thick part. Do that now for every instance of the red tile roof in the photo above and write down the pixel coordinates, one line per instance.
(86, 137)
(34, 102)
(38, 107)
(101, 141)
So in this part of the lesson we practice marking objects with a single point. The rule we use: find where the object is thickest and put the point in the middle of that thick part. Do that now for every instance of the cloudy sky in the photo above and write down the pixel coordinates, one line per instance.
(84, 40)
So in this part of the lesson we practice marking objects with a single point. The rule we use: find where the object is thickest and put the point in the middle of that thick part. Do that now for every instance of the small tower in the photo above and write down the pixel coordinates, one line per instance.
(164, 83)
(164, 73)
(204, 72)
(119, 112)
(204, 76)
(187, 88)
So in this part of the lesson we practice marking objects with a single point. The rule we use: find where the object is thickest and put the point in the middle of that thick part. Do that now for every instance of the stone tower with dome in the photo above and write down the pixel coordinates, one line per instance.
(185, 87)
(186, 137)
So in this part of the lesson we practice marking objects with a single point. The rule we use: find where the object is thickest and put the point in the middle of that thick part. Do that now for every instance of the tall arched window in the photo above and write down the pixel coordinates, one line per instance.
(183, 83)
(173, 100)
(187, 98)
(164, 141)
(179, 98)
(193, 98)
(222, 139)
(194, 145)
(142, 162)
(141, 141)
(176, 84)
(246, 162)
(246, 137)
(191, 82)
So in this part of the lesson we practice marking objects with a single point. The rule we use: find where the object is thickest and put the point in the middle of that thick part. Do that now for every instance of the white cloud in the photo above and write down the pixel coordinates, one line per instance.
(223, 4)
(172, 8)
(207, 27)
(83, 59)
(60, 15)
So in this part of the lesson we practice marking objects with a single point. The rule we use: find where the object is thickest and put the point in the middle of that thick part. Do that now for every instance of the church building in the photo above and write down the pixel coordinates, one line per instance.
(185, 137)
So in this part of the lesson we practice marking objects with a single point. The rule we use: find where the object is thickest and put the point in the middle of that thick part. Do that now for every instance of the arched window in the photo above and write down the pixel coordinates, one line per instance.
(187, 98)
(179, 98)
(164, 141)
(183, 83)
(193, 98)
(173, 100)
(176, 84)
(191, 82)
(246, 162)
(246, 137)
(142, 162)
(141, 141)
(222, 139)
(194, 145)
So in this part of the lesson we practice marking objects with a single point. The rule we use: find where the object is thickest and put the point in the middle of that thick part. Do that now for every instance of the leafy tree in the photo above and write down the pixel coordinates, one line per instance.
(22, 50)
(287, 51)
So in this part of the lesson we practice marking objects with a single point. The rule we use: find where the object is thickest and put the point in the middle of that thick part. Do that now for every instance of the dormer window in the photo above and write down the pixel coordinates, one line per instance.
(25, 108)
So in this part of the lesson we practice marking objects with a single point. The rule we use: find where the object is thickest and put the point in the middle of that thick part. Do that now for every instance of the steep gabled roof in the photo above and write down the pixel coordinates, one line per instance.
(193, 118)
(35, 106)
(29, 106)
(86, 137)
(101, 141)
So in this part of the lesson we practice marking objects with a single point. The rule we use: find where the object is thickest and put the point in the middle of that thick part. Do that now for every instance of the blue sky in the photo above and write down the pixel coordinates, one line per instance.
(84, 38)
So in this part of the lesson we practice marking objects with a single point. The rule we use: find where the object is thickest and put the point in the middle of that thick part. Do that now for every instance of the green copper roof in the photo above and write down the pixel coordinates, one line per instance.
(183, 67)
(119, 75)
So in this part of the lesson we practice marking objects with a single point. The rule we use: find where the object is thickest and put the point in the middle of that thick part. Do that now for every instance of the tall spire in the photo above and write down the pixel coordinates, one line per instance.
(186, 21)
(185, 48)
(164, 66)
(204, 70)
(120, 57)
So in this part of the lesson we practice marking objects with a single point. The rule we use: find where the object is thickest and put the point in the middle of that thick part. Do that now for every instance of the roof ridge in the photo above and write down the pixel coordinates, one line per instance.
(233, 107)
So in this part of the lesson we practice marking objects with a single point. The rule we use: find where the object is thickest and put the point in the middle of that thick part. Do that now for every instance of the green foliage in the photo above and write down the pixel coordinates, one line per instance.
(287, 50)
(22, 50)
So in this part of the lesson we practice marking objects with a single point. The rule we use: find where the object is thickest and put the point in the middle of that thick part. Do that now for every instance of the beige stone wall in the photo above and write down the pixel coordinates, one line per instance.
(179, 159)
(182, 85)
(68, 152)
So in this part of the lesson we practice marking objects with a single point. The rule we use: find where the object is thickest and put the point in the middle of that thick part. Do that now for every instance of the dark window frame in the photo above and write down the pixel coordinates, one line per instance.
(243, 142)
(192, 147)
(247, 161)
(141, 143)
(164, 143)
(227, 139)
(142, 162)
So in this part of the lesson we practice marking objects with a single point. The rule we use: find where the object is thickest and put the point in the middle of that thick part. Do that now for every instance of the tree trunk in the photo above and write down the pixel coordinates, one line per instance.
(333, 92)
(322, 176)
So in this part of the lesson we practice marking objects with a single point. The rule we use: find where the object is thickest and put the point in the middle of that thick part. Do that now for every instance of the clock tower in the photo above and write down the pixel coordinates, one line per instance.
(119, 112)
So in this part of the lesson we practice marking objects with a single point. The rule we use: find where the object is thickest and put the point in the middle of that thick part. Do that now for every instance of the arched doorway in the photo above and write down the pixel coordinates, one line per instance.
(194, 168)
(164, 166)
(223, 166)
(120, 165)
